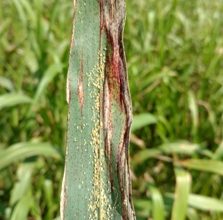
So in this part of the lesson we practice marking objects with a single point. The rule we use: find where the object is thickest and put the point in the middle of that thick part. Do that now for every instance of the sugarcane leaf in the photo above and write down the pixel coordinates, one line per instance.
(205, 165)
(21, 151)
(182, 190)
(22, 208)
(180, 147)
(200, 202)
(21, 187)
(48, 76)
(205, 203)
(12, 99)
(158, 209)
(142, 120)
(6, 83)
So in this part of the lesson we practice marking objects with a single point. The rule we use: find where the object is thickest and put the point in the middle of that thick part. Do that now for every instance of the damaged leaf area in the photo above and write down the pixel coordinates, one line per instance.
(96, 182)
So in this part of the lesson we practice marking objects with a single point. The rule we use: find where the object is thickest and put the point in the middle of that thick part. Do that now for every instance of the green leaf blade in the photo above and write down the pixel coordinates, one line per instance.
(181, 196)
(13, 99)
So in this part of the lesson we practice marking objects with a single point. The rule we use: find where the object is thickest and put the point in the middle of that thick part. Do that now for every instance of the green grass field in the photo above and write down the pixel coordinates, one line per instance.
(174, 51)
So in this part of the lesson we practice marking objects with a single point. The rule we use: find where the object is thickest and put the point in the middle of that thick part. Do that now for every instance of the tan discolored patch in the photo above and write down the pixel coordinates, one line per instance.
(80, 87)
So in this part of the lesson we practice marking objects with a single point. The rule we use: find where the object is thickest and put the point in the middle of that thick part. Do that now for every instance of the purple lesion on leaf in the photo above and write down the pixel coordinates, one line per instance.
(116, 90)
(112, 20)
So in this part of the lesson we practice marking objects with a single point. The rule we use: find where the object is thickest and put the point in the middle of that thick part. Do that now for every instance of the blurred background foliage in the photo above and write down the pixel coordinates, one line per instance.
(174, 50)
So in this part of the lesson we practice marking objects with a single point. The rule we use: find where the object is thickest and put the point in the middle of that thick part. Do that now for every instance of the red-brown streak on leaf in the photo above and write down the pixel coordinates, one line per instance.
(114, 71)
(116, 87)
(123, 169)
(107, 126)
(101, 3)
(64, 197)
(80, 88)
